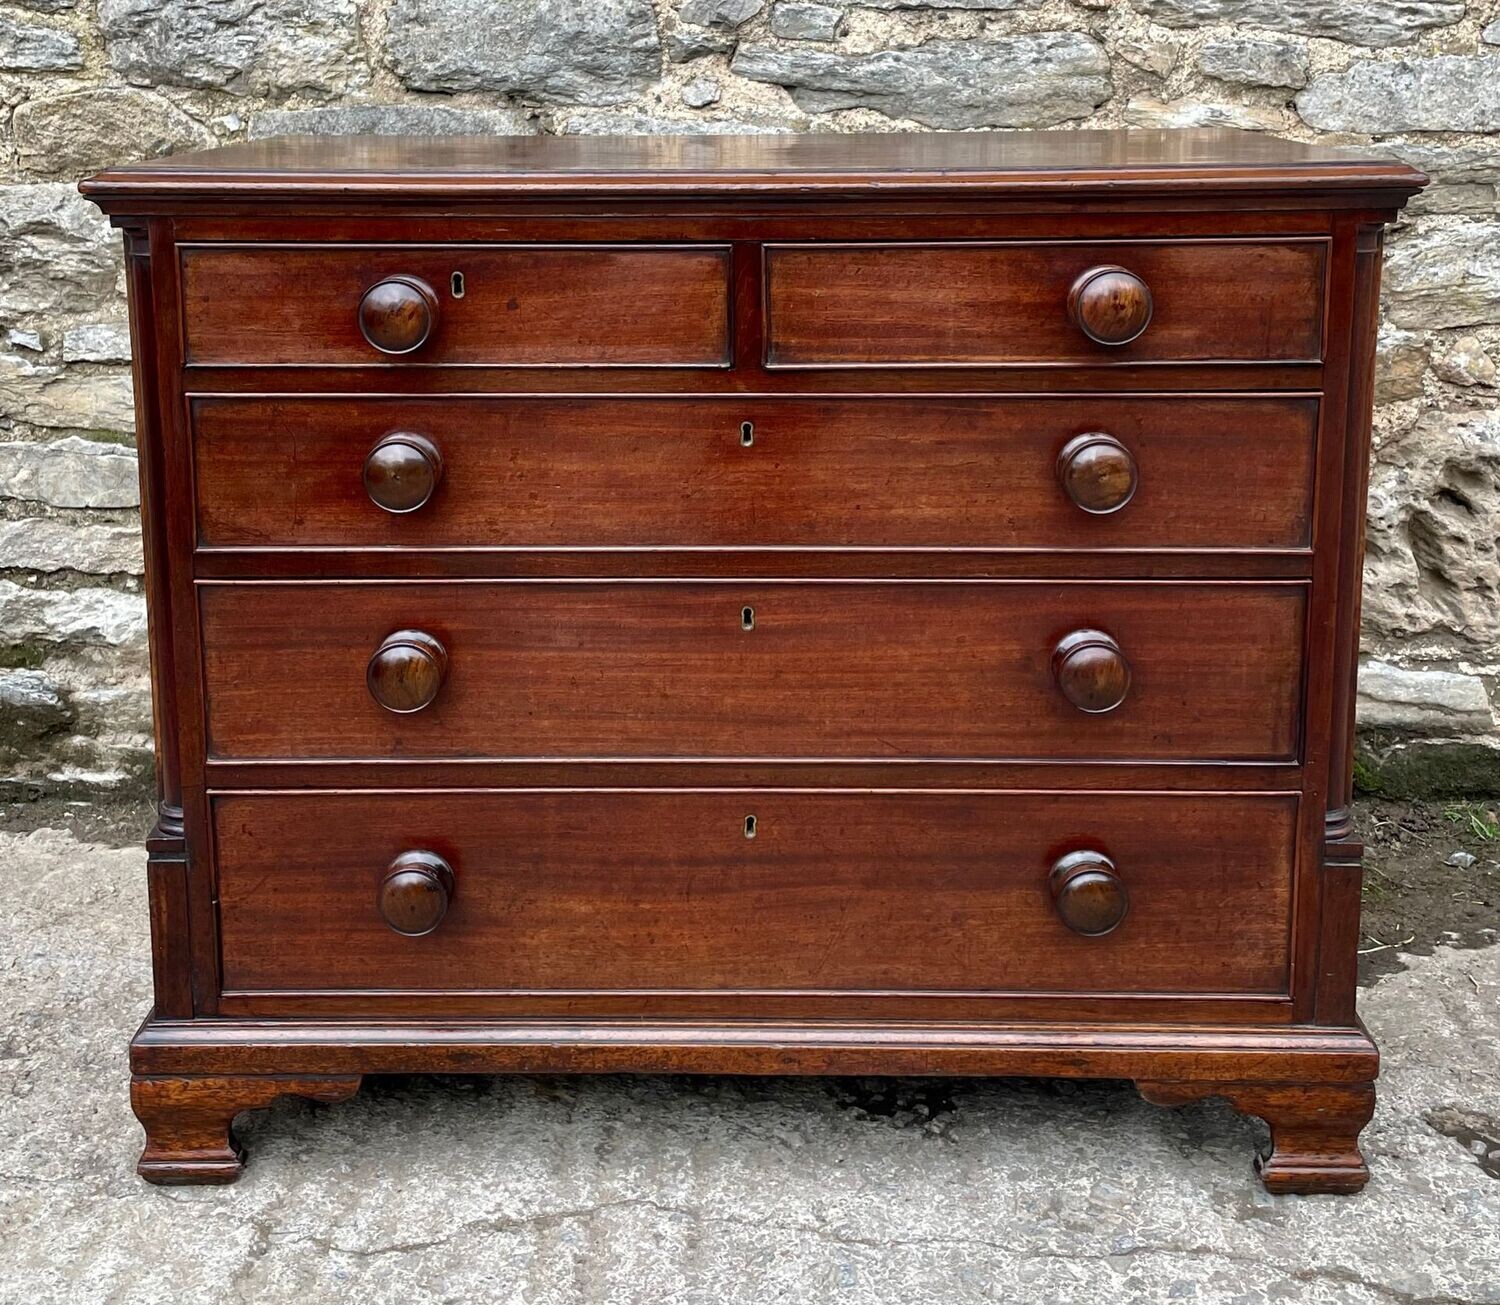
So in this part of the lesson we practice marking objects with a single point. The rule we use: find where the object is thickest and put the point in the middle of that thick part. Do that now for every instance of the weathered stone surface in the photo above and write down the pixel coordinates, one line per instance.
(1465, 178)
(71, 135)
(996, 5)
(104, 617)
(1370, 22)
(727, 14)
(391, 120)
(610, 122)
(35, 47)
(1400, 365)
(273, 48)
(57, 252)
(1450, 164)
(1149, 53)
(1018, 81)
(701, 92)
(1490, 35)
(70, 473)
(1425, 768)
(1254, 62)
(1145, 112)
(47, 6)
(46, 544)
(1466, 362)
(100, 342)
(804, 20)
(1448, 92)
(1445, 276)
(1422, 701)
(556, 51)
(63, 398)
(1431, 568)
(19, 338)
(695, 42)
(30, 707)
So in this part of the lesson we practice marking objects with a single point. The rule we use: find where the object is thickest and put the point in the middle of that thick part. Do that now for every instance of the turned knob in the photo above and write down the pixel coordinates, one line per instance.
(406, 671)
(1091, 671)
(414, 895)
(402, 471)
(398, 315)
(1097, 472)
(1110, 305)
(1088, 892)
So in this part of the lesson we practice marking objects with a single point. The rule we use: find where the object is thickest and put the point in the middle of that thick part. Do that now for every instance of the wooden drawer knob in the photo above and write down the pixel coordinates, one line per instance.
(1097, 472)
(1110, 305)
(1088, 892)
(1091, 671)
(406, 671)
(398, 315)
(402, 471)
(415, 893)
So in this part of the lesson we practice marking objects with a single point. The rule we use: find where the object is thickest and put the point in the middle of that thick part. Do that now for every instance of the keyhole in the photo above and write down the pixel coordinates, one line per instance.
(456, 282)
(747, 433)
(749, 826)
(747, 618)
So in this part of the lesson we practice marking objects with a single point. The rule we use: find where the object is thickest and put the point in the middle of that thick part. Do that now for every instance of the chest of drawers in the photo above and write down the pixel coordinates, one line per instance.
(829, 605)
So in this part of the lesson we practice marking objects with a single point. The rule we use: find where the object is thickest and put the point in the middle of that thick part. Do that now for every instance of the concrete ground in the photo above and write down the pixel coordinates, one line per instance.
(546, 1191)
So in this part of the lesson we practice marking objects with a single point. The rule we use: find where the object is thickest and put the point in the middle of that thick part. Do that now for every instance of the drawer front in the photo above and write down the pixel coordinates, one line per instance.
(543, 305)
(900, 473)
(596, 891)
(1210, 301)
(882, 670)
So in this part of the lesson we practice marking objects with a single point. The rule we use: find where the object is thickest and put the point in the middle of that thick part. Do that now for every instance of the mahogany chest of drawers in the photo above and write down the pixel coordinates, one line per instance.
(875, 605)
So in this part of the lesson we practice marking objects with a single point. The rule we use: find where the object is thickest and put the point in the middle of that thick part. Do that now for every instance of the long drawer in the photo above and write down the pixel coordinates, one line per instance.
(999, 303)
(754, 669)
(1160, 472)
(609, 890)
(513, 305)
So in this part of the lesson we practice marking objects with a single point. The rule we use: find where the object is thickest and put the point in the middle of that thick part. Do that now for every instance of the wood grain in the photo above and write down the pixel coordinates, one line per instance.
(940, 472)
(963, 303)
(595, 891)
(522, 305)
(831, 670)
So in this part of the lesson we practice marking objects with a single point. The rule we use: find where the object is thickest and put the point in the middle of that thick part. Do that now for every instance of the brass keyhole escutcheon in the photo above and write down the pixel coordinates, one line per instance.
(747, 433)
(749, 826)
(747, 618)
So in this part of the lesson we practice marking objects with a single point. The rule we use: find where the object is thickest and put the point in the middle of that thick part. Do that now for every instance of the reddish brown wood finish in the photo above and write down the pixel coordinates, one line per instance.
(763, 371)
(1110, 305)
(834, 893)
(528, 305)
(189, 1121)
(817, 473)
(967, 303)
(1314, 1128)
(829, 670)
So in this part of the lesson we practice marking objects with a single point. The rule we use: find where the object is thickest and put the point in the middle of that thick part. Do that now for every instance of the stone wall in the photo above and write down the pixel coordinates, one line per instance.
(88, 82)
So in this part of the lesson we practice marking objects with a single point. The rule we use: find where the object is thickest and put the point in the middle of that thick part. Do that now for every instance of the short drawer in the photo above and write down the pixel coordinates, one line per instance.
(506, 305)
(994, 303)
(753, 669)
(1066, 473)
(598, 891)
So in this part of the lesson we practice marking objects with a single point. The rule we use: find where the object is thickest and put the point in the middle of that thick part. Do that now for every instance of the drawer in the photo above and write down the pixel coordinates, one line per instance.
(1207, 472)
(609, 890)
(978, 303)
(521, 305)
(753, 669)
